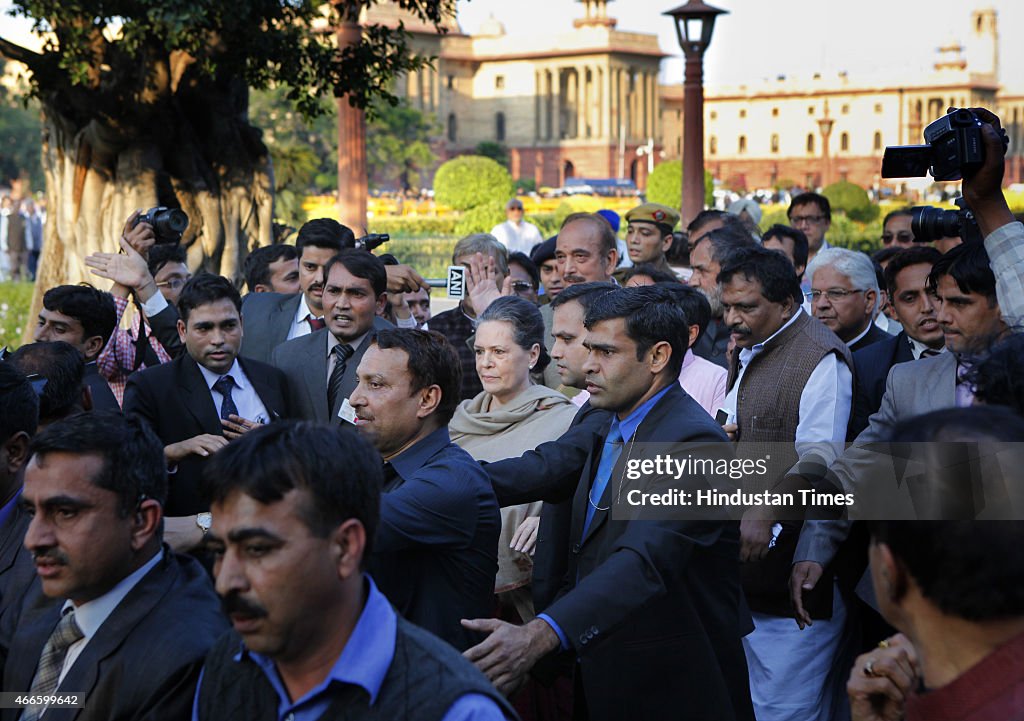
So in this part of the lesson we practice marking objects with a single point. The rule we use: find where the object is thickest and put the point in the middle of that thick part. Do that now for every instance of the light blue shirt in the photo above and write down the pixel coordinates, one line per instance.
(364, 662)
(246, 399)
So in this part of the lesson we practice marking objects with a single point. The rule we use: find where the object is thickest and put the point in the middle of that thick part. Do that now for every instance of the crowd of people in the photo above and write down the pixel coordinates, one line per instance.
(321, 501)
(21, 237)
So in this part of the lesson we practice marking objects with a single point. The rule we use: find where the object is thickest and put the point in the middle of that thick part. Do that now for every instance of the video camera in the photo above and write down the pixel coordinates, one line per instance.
(954, 149)
(372, 240)
(168, 223)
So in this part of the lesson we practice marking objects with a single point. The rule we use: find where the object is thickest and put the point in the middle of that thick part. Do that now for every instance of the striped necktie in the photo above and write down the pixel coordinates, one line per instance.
(52, 661)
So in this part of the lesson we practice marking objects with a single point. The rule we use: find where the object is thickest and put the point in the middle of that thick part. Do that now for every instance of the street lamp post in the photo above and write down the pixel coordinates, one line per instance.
(825, 126)
(695, 22)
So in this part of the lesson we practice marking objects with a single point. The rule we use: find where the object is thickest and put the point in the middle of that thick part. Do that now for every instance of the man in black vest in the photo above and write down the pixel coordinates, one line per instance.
(313, 637)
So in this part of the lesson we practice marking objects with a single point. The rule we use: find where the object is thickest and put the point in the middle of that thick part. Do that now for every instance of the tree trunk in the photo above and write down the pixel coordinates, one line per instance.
(195, 151)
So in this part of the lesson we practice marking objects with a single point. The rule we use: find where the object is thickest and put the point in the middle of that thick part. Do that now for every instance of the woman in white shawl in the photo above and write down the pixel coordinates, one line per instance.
(509, 417)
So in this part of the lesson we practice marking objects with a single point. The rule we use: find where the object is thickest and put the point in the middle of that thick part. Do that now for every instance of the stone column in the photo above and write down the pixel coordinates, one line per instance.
(550, 106)
(538, 104)
(571, 96)
(604, 102)
(556, 104)
(583, 103)
(352, 181)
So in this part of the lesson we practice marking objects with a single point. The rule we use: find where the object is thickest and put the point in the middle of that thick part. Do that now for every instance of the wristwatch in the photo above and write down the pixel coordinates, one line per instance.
(204, 521)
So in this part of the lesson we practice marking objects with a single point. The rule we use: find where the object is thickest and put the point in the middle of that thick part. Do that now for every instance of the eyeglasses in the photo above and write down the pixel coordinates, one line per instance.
(521, 286)
(805, 219)
(834, 295)
(516, 207)
(889, 238)
(173, 283)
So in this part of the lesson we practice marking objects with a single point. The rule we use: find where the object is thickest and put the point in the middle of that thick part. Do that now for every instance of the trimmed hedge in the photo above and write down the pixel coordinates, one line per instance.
(470, 181)
(665, 185)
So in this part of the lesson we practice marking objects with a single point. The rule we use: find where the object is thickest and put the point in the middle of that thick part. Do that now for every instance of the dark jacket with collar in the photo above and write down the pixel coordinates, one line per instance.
(266, 319)
(874, 335)
(144, 661)
(653, 609)
(871, 367)
(175, 400)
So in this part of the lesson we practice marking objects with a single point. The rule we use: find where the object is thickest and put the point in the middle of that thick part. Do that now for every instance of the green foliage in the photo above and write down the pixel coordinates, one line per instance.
(398, 143)
(429, 255)
(526, 185)
(843, 233)
(470, 181)
(414, 226)
(495, 151)
(285, 129)
(20, 144)
(294, 168)
(15, 299)
(852, 200)
(481, 218)
(665, 185)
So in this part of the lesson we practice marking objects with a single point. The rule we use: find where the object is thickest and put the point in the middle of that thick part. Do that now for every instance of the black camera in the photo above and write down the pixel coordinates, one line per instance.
(929, 224)
(372, 240)
(954, 148)
(168, 223)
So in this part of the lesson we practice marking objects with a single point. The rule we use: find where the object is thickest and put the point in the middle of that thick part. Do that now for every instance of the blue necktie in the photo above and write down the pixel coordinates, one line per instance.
(609, 454)
(227, 406)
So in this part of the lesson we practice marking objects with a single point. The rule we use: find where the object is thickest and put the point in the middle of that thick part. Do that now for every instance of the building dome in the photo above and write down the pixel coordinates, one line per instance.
(491, 27)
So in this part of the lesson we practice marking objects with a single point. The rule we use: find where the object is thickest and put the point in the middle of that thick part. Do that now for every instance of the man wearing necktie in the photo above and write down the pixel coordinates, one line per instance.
(204, 398)
(651, 611)
(111, 601)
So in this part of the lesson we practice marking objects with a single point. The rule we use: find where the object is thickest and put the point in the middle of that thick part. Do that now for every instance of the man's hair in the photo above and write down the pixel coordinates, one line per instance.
(206, 288)
(526, 321)
(704, 217)
(799, 238)
(971, 570)
(164, 253)
(998, 379)
(769, 267)
(824, 207)
(485, 244)
(906, 257)
(648, 269)
(268, 462)
(652, 316)
(897, 213)
(256, 267)
(362, 265)
(599, 223)
(888, 253)
(968, 265)
(856, 266)
(61, 369)
(523, 260)
(432, 361)
(19, 404)
(694, 304)
(583, 293)
(324, 233)
(725, 240)
(133, 457)
(93, 308)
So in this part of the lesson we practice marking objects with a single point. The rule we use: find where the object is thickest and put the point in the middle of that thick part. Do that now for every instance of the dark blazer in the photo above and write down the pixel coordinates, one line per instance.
(653, 609)
(871, 367)
(303, 361)
(266, 319)
(713, 345)
(176, 402)
(144, 661)
(874, 335)
(164, 326)
(102, 397)
(17, 572)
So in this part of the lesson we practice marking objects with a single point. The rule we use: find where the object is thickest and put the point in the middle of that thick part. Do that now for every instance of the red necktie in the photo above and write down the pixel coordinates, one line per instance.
(315, 324)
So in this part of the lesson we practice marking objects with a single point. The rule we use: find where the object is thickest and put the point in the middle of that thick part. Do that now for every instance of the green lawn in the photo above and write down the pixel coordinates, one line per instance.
(14, 302)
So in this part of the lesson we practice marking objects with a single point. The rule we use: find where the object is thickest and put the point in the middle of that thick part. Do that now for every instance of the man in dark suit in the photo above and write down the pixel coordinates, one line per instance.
(204, 398)
(85, 318)
(653, 610)
(906, 278)
(435, 555)
(321, 367)
(127, 623)
(273, 318)
(844, 296)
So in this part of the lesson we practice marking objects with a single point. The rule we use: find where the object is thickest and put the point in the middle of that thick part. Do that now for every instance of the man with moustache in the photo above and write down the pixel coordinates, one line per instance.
(707, 254)
(128, 622)
(321, 367)
(313, 636)
(845, 296)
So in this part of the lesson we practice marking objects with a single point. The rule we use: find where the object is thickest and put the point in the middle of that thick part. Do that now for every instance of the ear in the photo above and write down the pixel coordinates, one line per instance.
(666, 243)
(659, 356)
(181, 330)
(146, 522)
(347, 546)
(261, 288)
(382, 300)
(613, 258)
(891, 578)
(93, 346)
(534, 355)
(694, 332)
(430, 399)
(15, 452)
(87, 404)
(870, 296)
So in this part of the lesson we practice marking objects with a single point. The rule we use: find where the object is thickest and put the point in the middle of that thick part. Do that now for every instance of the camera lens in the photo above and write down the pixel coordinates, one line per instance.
(928, 223)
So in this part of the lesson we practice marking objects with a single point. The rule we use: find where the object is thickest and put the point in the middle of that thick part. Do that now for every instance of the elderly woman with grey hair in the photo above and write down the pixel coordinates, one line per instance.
(509, 417)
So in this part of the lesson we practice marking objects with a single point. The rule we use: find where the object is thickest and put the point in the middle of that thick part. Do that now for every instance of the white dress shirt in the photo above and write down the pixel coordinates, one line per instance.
(917, 348)
(824, 402)
(331, 358)
(518, 239)
(300, 326)
(91, 615)
(246, 399)
(867, 329)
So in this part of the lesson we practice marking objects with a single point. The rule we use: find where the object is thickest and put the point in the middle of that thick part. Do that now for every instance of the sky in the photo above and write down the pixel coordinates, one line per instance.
(766, 38)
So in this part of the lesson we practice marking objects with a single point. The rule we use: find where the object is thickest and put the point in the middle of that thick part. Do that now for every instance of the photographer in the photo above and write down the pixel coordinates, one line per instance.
(154, 274)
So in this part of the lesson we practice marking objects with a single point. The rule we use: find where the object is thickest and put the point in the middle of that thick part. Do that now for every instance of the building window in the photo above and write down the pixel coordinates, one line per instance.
(499, 127)
(451, 82)
(844, 141)
(743, 113)
(452, 129)
(878, 141)
(810, 110)
(712, 145)
(714, 115)
(742, 145)
(499, 82)
(810, 142)
(775, 112)
(775, 142)
(878, 108)
(845, 110)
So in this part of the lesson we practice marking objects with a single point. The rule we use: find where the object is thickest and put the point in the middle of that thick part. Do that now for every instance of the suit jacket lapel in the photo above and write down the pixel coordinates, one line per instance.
(269, 394)
(350, 379)
(196, 396)
(280, 322)
(27, 646)
(315, 376)
(582, 500)
(11, 536)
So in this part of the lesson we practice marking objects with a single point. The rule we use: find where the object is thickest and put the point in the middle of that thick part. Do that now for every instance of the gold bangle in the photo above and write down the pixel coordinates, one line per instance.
(884, 643)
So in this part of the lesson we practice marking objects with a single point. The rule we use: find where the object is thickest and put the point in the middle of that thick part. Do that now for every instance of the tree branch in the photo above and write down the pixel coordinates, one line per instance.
(14, 51)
